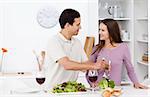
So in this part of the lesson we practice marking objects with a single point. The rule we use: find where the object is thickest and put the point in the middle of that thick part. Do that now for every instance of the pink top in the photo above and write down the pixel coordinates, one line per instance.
(118, 56)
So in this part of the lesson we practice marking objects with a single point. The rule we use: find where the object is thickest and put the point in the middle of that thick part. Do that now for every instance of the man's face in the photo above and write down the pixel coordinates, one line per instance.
(74, 29)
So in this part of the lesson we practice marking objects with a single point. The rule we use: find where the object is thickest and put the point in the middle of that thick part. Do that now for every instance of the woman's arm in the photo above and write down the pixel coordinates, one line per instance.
(128, 64)
(130, 69)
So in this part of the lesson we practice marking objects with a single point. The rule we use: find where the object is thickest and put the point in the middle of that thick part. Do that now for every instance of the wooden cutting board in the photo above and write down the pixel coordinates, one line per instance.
(16, 74)
(89, 43)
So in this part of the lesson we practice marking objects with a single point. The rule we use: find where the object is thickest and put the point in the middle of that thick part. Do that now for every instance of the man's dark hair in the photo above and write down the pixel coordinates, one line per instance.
(68, 16)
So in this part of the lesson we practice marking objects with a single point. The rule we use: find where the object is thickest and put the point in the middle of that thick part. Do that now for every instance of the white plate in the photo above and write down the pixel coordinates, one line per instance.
(76, 93)
(26, 90)
(71, 93)
(125, 83)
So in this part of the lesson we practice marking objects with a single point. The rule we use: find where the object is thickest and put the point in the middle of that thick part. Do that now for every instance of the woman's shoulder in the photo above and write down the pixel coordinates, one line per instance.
(124, 45)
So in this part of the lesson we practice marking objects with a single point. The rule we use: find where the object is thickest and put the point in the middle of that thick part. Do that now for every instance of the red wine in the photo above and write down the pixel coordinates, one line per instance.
(40, 80)
(92, 78)
(106, 66)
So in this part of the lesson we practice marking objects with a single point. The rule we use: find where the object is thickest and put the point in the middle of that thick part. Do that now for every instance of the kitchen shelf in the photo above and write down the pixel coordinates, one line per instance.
(142, 41)
(143, 63)
(126, 40)
(119, 19)
(142, 19)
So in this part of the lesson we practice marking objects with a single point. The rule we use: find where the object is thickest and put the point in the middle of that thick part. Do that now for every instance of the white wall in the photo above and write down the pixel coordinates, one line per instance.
(20, 32)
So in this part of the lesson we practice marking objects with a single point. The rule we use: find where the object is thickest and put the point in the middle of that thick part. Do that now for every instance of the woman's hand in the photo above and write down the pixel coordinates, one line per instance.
(140, 86)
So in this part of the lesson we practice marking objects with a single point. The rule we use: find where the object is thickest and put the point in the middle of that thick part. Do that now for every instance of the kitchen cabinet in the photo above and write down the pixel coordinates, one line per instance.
(141, 37)
(132, 16)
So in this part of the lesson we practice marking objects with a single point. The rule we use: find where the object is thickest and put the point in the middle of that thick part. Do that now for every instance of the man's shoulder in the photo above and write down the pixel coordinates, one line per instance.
(53, 39)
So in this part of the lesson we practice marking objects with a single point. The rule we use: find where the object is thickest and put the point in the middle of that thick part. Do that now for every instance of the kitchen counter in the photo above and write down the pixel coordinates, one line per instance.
(9, 84)
(128, 91)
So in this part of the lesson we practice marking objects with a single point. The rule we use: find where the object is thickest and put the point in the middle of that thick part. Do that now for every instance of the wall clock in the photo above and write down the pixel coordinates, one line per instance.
(47, 17)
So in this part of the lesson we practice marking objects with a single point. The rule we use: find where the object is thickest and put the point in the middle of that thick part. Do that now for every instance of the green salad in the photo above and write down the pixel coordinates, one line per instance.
(70, 86)
(104, 83)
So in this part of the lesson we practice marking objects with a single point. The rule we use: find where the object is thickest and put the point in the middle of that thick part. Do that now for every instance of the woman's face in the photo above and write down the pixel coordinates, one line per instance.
(103, 31)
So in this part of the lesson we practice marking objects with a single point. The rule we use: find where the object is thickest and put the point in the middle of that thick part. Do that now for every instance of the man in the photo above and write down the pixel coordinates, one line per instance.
(65, 53)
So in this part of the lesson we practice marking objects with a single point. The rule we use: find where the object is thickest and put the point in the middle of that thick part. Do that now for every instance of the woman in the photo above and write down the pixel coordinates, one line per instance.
(114, 50)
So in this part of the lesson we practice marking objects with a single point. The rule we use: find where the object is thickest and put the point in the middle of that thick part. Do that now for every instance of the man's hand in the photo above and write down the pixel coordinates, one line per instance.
(100, 65)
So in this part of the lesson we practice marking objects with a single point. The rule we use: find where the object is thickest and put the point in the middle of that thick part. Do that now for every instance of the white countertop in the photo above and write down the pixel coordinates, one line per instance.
(9, 84)
(128, 91)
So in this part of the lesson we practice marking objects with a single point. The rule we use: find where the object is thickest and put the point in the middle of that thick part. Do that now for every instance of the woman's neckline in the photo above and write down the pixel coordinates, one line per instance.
(118, 45)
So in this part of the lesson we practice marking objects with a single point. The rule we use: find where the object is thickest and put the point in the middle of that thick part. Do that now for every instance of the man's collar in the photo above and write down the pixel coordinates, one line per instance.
(64, 39)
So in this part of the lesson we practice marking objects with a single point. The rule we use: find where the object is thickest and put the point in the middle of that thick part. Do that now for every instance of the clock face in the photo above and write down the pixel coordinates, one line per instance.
(47, 17)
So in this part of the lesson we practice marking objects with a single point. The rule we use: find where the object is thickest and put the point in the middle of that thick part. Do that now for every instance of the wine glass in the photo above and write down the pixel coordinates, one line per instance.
(92, 76)
(40, 79)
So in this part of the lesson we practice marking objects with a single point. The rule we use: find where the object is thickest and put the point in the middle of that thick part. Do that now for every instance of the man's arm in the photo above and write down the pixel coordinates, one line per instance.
(72, 65)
